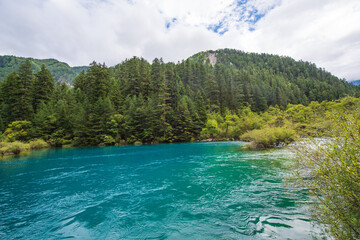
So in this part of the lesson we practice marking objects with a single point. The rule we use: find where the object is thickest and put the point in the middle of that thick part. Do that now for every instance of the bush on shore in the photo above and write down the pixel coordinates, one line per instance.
(14, 148)
(268, 137)
(38, 144)
(17, 147)
(330, 170)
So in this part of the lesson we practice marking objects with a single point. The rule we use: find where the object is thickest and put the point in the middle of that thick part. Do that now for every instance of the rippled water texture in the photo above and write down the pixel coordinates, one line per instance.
(169, 191)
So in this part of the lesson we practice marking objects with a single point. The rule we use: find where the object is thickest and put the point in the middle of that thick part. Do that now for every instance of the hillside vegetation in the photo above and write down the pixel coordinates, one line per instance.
(274, 80)
(138, 101)
(61, 71)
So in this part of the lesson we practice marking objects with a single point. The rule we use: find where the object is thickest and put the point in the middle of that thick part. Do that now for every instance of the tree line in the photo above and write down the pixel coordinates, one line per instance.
(138, 101)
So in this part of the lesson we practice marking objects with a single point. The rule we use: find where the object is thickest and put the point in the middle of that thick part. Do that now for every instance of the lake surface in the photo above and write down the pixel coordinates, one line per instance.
(167, 191)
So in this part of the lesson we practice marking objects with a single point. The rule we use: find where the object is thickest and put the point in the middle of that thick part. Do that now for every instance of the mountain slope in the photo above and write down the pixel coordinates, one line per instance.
(61, 71)
(240, 60)
(276, 80)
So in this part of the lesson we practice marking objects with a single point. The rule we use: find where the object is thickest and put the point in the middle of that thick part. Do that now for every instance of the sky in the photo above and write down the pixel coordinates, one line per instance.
(325, 32)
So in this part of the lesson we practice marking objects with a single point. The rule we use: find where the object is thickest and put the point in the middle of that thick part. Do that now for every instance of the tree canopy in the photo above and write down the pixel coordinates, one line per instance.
(138, 101)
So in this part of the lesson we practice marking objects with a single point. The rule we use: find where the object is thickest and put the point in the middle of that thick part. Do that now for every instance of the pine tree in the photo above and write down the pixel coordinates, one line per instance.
(27, 79)
(44, 86)
(80, 81)
(182, 123)
(16, 97)
(136, 119)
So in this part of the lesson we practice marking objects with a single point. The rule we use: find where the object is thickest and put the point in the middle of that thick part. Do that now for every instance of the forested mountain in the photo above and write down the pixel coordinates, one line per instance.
(276, 80)
(61, 71)
(138, 101)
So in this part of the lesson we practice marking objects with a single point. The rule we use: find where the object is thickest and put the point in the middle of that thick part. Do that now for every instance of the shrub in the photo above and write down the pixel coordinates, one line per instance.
(268, 137)
(211, 130)
(58, 139)
(14, 148)
(38, 144)
(58, 142)
(106, 140)
(330, 170)
(18, 130)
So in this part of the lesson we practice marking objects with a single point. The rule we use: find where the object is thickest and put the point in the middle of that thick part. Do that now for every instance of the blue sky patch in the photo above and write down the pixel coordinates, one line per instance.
(169, 23)
(241, 12)
(241, 2)
(218, 28)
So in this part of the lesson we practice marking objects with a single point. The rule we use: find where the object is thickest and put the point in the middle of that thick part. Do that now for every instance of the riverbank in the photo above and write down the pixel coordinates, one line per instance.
(17, 147)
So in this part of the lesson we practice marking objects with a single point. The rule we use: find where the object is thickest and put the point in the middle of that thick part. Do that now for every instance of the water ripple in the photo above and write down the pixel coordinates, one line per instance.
(174, 191)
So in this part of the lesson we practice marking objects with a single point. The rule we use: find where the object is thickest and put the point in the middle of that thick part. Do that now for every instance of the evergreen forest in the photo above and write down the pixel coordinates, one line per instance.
(221, 94)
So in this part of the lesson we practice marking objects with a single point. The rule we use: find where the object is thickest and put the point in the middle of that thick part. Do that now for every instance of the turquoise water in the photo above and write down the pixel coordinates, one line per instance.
(166, 191)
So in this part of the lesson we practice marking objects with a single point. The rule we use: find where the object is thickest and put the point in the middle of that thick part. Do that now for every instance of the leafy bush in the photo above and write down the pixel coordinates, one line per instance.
(211, 129)
(38, 144)
(57, 139)
(330, 170)
(14, 148)
(268, 137)
(107, 140)
(18, 130)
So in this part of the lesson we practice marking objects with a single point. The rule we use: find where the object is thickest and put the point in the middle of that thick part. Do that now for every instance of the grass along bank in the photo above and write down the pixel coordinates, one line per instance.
(17, 147)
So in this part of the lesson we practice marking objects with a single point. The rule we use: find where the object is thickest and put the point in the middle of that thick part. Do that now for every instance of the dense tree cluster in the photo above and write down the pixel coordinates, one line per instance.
(274, 80)
(136, 101)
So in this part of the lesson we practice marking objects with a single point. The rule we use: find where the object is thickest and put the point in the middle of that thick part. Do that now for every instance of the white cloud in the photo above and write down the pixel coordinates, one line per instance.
(324, 31)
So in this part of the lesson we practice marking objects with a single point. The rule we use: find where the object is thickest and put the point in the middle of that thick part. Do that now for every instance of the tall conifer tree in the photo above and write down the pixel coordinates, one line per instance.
(43, 86)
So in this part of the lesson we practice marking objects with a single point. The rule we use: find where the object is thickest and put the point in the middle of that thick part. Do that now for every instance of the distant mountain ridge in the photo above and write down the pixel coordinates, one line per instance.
(61, 71)
(276, 79)
(241, 60)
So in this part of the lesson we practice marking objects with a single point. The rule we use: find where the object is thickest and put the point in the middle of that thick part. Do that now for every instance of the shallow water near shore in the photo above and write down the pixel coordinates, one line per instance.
(210, 190)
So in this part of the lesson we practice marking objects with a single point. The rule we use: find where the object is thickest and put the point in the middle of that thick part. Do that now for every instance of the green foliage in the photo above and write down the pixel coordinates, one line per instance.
(268, 137)
(57, 139)
(43, 88)
(138, 101)
(61, 71)
(17, 95)
(330, 170)
(272, 80)
(106, 140)
(262, 98)
(13, 147)
(18, 131)
(38, 144)
(211, 129)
